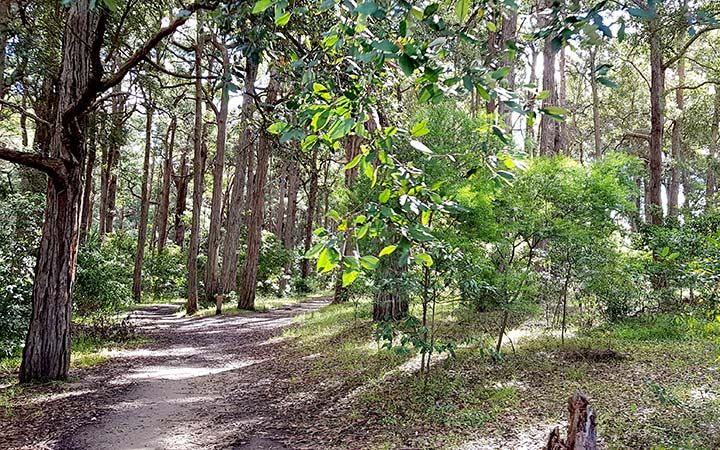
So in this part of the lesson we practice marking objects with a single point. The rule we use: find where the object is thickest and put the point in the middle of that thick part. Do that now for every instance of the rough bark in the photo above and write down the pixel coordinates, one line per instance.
(310, 213)
(88, 189)
(677, 143)
(711, 179)
(46, 355)
(548, 125)
(144, 207)
(561, 139)
(581, 432)
(391, 301)
(235, 209)
(657, 86)
(198, 177)
(212, 278)
(597, 136)
(288, 229)
(246, 299)
(508, 33)
(161, 218)
(181, 180)
(4, 34)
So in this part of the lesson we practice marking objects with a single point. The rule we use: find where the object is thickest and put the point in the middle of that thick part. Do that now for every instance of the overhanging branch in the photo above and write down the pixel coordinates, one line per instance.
(53, 167)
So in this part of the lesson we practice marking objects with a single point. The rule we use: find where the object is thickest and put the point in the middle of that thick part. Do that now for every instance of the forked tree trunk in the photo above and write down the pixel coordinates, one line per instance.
(46, 355)
(235, 209)
(198, 177)
(212, 279)
(144, 207)
(248, 286)
(161, 218)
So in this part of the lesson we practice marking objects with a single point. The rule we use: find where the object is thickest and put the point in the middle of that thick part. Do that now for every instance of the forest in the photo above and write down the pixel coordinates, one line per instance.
(359, 224)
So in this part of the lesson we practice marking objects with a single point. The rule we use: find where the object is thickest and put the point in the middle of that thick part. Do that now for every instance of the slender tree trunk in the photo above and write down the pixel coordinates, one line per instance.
(288, 228)
(282, 192)
(212, 277)
(181, 180)
(562, 141)
(597, 136)
(46, 355)
(198, 176)
(529, 127)
(161, 218)
(391, 300)
(509, 34)
(235, 210)
(144, 205)
(657, 86)
(249, 276)
(88, 194)
(4, 34)
(310, 216)
(677, 143)
(352, 149)
(548, 125)
(711, 180)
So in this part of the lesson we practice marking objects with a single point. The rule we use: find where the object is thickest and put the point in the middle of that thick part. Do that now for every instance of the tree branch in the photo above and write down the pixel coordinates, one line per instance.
(688, 44)
(139, 55)
(53, 167)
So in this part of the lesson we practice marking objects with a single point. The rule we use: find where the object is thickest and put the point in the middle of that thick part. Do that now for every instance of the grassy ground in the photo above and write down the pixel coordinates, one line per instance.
(662, 392)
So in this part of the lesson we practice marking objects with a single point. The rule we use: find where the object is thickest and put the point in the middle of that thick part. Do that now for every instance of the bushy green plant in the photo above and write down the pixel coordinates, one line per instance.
(20, 223)
(271, 265)
(104, 277)
(165, 273)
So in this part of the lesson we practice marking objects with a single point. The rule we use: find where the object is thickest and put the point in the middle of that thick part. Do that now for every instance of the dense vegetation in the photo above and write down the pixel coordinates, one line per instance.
(448, 173)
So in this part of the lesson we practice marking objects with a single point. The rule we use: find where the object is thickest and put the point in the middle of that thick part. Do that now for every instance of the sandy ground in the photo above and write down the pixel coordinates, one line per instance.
(201, 384)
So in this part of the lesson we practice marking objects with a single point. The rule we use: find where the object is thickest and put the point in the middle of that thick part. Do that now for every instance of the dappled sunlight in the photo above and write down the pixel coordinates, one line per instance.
(150, 353)
(524, 436)
(59, 396)
(184, 372)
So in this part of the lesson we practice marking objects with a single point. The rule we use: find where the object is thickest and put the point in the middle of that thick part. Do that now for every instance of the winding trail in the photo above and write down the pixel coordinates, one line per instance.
(202, 384)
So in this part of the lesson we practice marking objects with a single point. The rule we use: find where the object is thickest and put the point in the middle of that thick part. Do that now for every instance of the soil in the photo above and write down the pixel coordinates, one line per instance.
(205, 383)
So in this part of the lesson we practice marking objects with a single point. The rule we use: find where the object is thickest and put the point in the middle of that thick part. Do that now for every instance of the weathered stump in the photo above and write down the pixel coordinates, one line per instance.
(581, 433)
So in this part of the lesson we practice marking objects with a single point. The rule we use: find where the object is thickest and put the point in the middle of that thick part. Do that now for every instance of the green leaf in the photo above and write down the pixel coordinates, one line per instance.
(424, 259)
(283, 19)
(369, 262)
(328, 260)
(462, 9)
(354, 162)
(349, 277)
(276, 128)
(314, 251)
(384, 196)
(420, 129)
(554, 111)
(406, 64)
(387, 250)
(261, 6)
(111, 5)
(367, 8)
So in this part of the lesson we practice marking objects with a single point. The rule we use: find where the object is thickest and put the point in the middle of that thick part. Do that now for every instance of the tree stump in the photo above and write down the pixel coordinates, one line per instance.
(581, 433)
(219, 299)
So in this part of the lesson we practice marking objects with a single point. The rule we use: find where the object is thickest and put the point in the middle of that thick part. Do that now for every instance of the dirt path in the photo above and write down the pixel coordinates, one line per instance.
(201, 384)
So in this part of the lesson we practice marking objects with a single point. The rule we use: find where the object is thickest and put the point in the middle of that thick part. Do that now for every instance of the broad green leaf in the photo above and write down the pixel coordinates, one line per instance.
(369, 262)
(420, 129)
(462, 9)
(349, 277)
(354, 162)
(384, 196)
(424, 259)
(283, 19)
(387, 250)
(261, 6)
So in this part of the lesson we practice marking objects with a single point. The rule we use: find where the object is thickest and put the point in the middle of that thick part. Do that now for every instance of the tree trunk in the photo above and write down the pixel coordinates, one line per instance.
(212, 281)
(529, 127)
(198, 177)
(657, 86)
(144, 206)
(249, 275)
(181, 181)
(46, 355)
(161, 218)
(310, 216)
(711, 180)
(235, 209)
(288, 228)
(88, 194)
(581, 433)
(677, 143)
(4, 33)
(391, 301)
(548, 125)
(282, 192)
(509, 34)
(597, 136)
(562, 141)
